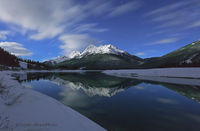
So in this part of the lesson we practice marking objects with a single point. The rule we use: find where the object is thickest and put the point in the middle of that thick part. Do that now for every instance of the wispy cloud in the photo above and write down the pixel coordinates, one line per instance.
(58, 17)
(121, 9)
(195, 24)
(38, 21)
(89, 28)
(15, 48)
(171, 7)
(73, 42)
(3, 35)
(166, 101)
(176, 17)
(164, 41)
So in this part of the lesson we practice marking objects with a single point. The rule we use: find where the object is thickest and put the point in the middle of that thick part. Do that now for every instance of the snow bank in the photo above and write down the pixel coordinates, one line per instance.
(24, 109)
(180, 81)
(185, 76)
(43, 71)
(161, 72)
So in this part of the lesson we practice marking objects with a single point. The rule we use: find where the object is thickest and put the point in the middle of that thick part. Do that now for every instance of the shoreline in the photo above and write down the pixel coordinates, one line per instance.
(158, 72)
(187, 72)
(184, 76)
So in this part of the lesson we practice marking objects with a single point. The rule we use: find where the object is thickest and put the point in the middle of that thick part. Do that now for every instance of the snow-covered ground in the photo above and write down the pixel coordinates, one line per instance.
(186, 76)
(24, 109)
(43, 71)
(161, 72)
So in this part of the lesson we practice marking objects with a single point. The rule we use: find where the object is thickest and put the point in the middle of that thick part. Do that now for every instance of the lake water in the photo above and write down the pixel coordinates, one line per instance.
(122, 104)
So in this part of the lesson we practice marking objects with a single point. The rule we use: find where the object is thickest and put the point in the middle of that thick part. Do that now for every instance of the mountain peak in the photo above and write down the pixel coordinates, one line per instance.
(90, 50)
(74, 54)
(102, 49)
(91, 46)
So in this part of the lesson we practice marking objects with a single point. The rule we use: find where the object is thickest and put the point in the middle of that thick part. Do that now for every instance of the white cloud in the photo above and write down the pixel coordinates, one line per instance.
(35, 15)
(164, 41)
(124, 8)
(3, 35)
(41, 19)
(140, 54)
(72, 42)
(58, 17)
(15, 48)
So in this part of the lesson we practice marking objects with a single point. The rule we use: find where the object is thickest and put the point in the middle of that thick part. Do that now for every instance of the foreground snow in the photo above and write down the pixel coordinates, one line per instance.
(24, 109)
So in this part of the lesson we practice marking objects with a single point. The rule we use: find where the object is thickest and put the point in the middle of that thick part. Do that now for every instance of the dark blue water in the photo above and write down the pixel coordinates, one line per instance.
(122, 104)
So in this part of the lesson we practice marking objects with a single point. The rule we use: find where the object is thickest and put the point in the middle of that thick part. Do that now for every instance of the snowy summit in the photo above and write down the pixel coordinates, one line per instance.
(103, 49)
(90, 50)
(58, 59)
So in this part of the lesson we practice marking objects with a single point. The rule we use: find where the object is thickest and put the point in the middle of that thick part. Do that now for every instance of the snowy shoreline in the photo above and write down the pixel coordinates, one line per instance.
(158, 72)
(183, 76)
(25, 109)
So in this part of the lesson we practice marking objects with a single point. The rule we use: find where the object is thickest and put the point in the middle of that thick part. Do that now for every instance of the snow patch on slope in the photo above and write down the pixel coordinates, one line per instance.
(23, 65)
(189, 61)
(193, 43)
(74, 54)
(58, 59)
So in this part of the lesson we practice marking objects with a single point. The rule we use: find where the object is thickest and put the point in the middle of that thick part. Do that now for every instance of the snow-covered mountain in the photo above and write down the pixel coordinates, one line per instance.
(74, 54)
(90, 50)
(57, 60)
(109, 57)
(187, 56)
(103, 49)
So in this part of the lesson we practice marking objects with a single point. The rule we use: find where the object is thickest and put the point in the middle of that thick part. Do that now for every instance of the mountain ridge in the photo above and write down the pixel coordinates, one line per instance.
(187, 56)
(106, 57)
(90, 50)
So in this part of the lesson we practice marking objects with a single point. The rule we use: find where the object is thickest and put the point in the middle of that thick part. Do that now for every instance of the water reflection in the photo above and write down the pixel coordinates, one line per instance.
(122, 103)
(95, 83)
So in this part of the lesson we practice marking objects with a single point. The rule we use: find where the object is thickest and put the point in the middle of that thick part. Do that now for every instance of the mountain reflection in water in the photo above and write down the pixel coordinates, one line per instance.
(122, 103)
(95, 83)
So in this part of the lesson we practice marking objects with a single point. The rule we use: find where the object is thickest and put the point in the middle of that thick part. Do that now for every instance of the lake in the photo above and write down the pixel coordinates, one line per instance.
(122, 104)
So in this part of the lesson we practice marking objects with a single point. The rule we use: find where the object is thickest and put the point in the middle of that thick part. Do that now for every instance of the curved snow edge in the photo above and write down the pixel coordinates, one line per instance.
(25, 109)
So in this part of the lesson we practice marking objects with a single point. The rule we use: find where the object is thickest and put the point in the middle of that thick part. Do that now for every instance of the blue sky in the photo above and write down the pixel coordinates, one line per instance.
(43, 29)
